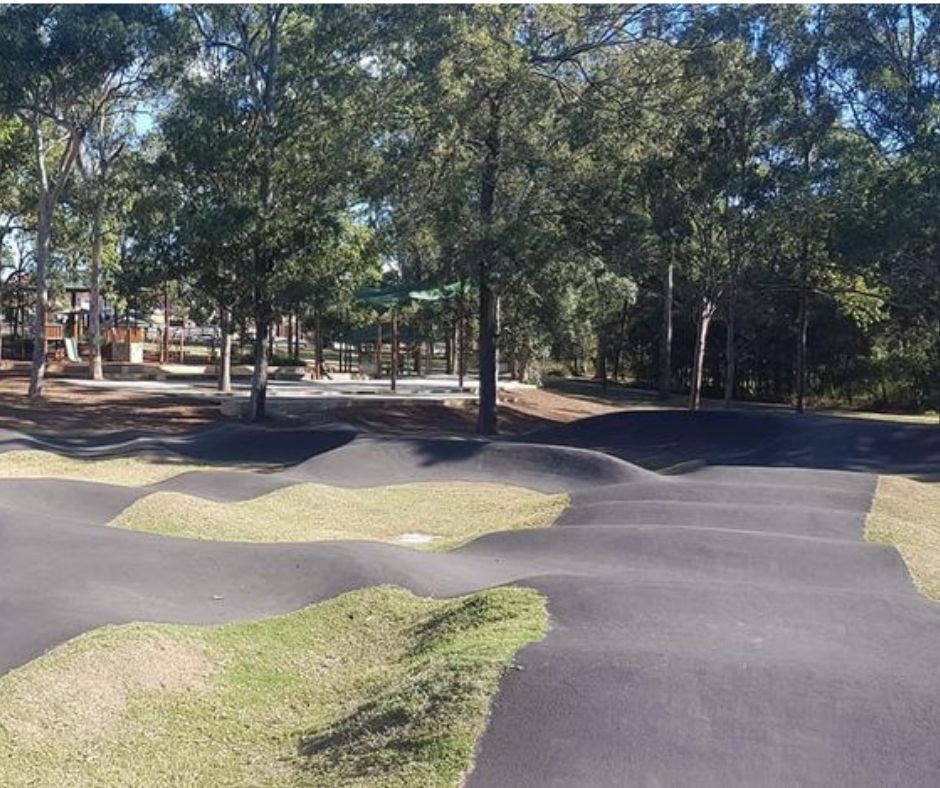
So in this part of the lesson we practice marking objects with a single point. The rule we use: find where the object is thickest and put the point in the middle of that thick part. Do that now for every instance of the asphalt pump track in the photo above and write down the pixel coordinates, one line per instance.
(716, 617)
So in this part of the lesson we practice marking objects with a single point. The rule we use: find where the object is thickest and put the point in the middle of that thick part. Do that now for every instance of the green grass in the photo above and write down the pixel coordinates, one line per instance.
(374, 688)
(130, 471)
(434, 516)
(906, 514)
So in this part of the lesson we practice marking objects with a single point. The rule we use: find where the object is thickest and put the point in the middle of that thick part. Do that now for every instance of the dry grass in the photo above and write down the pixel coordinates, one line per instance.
(130, 471)
(906, 514)
(374, 688)
(445, 514)
(84, 690)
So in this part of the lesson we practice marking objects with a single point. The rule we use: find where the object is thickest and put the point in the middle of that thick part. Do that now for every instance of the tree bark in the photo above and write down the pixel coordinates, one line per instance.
(165, 338)
(48, 195)
(665, 346)
(290, 334)
(462, 333)
(802, 328)
(318, 344)
(43, 240)
(257, 403)
(225, 354)
(486, 420)
(449, 351)
(730, 351)
(489, 319)
(394, 370)
(94, 318)
(698, 355)
(601, 372)
(263, 258)
(378, 349)
(298, 335)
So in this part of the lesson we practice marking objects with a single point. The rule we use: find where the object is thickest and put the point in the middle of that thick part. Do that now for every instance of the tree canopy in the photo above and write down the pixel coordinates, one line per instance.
(730, 201)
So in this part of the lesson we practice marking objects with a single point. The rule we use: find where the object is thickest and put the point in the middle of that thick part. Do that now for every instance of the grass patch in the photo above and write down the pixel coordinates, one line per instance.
(130, 471)
(374, 688)
(906, 514)
(433, 516)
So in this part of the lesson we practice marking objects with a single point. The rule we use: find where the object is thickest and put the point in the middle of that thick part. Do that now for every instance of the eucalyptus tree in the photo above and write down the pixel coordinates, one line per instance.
(102, 196)
(202, 197)
(884, 61)
(803, 168)
(14, 149)
(63, 66)
(485, 123)
(303, 79)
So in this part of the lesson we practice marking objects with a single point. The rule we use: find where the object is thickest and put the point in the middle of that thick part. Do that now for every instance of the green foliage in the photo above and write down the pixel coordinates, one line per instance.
(781, 161)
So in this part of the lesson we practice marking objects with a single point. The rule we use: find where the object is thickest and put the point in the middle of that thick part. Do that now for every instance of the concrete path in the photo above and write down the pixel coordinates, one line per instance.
(722, 624)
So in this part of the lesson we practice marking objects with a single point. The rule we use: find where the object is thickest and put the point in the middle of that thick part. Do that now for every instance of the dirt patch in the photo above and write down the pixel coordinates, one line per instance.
(520, 412)
(83, 410)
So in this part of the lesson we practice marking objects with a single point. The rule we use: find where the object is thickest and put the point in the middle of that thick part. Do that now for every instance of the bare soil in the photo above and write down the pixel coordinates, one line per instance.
(66, 408)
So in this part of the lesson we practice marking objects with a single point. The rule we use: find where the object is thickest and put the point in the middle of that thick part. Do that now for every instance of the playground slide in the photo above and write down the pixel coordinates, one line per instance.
(71, 350)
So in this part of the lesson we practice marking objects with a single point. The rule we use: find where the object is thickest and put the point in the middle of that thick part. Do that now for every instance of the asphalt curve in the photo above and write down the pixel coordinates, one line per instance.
(718, 623)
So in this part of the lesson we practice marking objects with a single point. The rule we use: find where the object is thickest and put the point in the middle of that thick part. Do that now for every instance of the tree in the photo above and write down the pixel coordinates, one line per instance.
(298, 75)
(63, 66)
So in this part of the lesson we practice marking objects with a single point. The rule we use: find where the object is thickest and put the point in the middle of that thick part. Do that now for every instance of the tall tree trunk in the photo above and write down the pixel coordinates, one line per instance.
(601, 371)
(462, 334)
(94, 318)
(449, 351)
(257, 403)
(378, 349)
(318, 345)
(621, 336)
(43, 241)
(489, 318)
(802, 329)
(698, 354)
(730, 352)
(486, 420)
(290, 334)
(263, 258)
(225, 354)
(394, 370)
(165, 338)
(48, 195)
(665, 343)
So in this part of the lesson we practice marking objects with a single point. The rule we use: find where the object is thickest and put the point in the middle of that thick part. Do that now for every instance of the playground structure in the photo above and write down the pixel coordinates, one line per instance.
(396, 338)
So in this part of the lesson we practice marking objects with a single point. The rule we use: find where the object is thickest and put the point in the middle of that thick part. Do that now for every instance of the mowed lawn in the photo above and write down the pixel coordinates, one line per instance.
(127, 471)
(427, 515)
(906, 514)
(374, 688)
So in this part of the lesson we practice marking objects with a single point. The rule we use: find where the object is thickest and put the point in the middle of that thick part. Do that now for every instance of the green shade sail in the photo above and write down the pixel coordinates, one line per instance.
(400, 294)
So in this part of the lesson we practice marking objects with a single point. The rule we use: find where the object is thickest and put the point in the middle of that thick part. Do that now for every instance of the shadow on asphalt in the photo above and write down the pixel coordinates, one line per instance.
(663, 439)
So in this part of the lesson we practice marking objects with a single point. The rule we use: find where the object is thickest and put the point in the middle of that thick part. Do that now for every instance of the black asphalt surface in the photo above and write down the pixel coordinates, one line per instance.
(717, 618)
